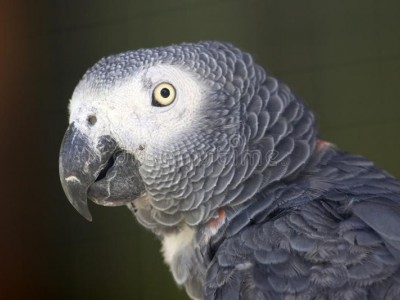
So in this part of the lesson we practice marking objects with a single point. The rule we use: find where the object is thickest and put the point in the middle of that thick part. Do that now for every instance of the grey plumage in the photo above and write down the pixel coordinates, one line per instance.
(336, 243)
(276, 213)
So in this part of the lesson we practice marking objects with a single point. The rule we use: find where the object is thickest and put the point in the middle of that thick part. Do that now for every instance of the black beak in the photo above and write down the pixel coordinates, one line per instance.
(80, 164)
(101, 172)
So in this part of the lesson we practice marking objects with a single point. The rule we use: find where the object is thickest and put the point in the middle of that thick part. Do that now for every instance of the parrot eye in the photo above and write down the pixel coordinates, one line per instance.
(163, 95)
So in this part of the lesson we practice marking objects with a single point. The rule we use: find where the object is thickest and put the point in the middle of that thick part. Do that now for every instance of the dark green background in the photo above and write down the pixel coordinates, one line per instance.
(341, 57)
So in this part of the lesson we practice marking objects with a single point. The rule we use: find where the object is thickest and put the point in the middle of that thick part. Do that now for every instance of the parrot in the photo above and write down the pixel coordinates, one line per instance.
(226, 166)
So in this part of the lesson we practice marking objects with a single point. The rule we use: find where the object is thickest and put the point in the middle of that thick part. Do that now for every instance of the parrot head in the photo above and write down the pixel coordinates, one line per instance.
(180, 132)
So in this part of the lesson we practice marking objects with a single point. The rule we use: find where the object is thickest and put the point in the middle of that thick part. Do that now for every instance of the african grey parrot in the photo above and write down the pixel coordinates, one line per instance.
(224, 164)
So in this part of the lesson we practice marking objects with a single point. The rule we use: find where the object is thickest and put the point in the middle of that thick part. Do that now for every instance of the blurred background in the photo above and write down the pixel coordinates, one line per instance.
(342, 57)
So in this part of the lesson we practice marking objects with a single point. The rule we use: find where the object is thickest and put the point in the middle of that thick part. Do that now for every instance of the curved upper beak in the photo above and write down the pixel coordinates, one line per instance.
(80, 163)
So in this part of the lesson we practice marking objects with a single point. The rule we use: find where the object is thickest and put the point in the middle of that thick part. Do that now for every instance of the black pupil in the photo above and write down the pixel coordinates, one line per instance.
(165, 93)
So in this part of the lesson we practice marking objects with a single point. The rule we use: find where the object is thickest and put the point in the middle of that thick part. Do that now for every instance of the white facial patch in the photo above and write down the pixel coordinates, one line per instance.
(125, 111)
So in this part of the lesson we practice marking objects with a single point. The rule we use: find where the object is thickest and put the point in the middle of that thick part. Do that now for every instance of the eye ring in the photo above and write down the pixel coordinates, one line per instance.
(164, 94)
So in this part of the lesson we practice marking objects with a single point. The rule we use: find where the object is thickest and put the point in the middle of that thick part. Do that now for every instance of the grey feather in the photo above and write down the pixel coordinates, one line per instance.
(276, 213)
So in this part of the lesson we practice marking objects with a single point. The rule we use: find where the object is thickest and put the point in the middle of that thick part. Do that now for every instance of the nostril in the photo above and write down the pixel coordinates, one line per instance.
(91, 120)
